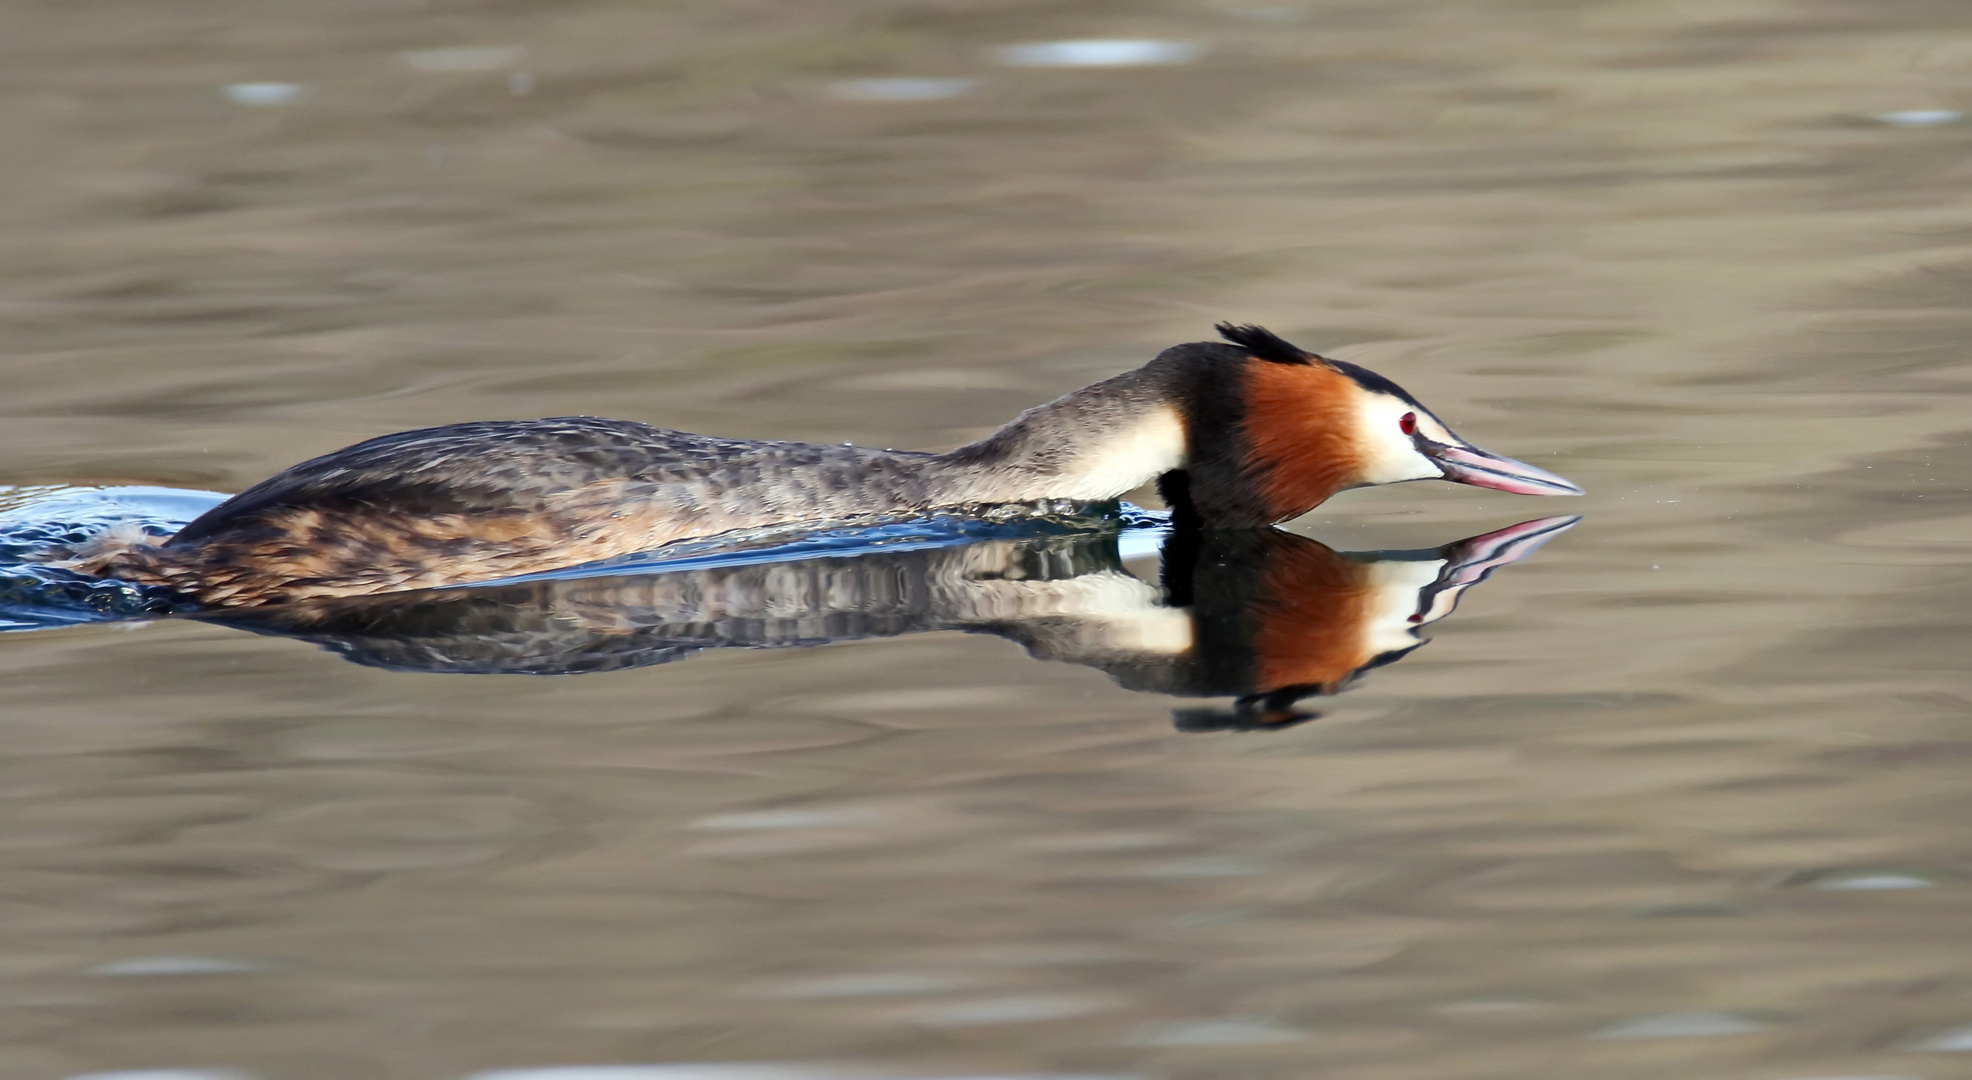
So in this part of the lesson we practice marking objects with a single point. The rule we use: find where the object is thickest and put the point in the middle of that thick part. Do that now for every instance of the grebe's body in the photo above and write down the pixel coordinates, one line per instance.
(1237, 435)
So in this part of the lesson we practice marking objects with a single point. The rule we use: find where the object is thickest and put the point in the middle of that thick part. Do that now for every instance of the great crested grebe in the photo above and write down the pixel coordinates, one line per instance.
(1237, 436)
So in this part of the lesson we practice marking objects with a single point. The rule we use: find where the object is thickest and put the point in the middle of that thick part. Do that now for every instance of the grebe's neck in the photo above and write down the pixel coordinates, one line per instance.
(1096, 443)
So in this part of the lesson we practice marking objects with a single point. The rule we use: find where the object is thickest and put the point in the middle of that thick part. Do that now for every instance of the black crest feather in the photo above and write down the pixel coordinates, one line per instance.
(1264, 343)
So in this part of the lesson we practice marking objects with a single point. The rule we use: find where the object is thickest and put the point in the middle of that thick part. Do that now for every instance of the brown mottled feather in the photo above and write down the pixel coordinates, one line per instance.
(479, 501)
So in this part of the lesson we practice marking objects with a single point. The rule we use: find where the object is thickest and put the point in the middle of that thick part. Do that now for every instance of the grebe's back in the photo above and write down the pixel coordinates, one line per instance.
(477, 501)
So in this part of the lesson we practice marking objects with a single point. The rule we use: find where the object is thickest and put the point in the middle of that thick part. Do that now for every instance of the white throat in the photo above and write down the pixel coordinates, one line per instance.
(1137, 452)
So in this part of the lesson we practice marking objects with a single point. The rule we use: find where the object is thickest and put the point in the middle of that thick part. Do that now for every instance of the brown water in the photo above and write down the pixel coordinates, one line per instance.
(1681, 796)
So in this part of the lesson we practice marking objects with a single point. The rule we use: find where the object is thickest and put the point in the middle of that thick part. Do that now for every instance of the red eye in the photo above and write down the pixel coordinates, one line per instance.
(1408, 423)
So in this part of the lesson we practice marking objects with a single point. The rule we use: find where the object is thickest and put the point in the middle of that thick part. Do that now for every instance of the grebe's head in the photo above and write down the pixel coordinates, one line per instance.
(1279, 430)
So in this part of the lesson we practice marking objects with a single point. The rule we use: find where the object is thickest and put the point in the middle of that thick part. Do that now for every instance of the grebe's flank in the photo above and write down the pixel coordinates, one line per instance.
(1240, 434)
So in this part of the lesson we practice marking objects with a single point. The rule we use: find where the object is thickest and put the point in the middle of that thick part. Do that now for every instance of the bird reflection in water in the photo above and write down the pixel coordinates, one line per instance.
(1265, 617)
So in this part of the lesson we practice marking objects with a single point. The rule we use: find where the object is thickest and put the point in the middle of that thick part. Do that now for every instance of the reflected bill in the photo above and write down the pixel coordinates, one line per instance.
(1264, 617)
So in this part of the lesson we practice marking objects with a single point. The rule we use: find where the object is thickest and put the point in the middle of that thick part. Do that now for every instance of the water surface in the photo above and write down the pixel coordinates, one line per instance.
(1679, 796)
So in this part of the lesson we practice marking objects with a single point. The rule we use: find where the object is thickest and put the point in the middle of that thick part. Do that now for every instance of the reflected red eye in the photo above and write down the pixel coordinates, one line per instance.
(1408, 423)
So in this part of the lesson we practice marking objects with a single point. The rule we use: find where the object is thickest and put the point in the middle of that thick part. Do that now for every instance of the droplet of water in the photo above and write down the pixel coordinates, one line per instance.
(462, 58)
(1099, 52)
(1009, 1010)
(902, 89)
(165, 1074)
(1488, 1005)
(1273, 14)
(895, 984)
(1919, 117)
(1209, 866)
(1955, 1041)
(1684, 1025)
(1873, 883)
(1232, 1031)
(264, 93)
(181, 965)
(787, 819)
(664, 1072)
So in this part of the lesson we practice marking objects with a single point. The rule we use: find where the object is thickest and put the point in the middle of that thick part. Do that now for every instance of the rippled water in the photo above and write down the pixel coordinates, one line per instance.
(1678, 795)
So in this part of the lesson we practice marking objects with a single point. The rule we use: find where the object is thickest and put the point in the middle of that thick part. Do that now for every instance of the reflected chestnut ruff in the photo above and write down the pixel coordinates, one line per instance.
(1265, 617)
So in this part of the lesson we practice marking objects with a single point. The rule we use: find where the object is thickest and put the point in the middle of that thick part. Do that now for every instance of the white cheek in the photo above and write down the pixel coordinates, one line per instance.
(1394, 464)
(1389, 456)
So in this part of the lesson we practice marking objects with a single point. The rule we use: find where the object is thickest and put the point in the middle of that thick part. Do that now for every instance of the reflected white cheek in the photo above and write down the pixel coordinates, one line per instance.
(1397, 583)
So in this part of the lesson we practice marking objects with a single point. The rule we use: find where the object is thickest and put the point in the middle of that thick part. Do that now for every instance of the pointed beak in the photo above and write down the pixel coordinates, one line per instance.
(1471, 465)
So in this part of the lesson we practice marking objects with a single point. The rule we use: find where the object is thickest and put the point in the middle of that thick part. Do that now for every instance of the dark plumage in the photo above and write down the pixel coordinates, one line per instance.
(483, 500)
(1264, 344)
